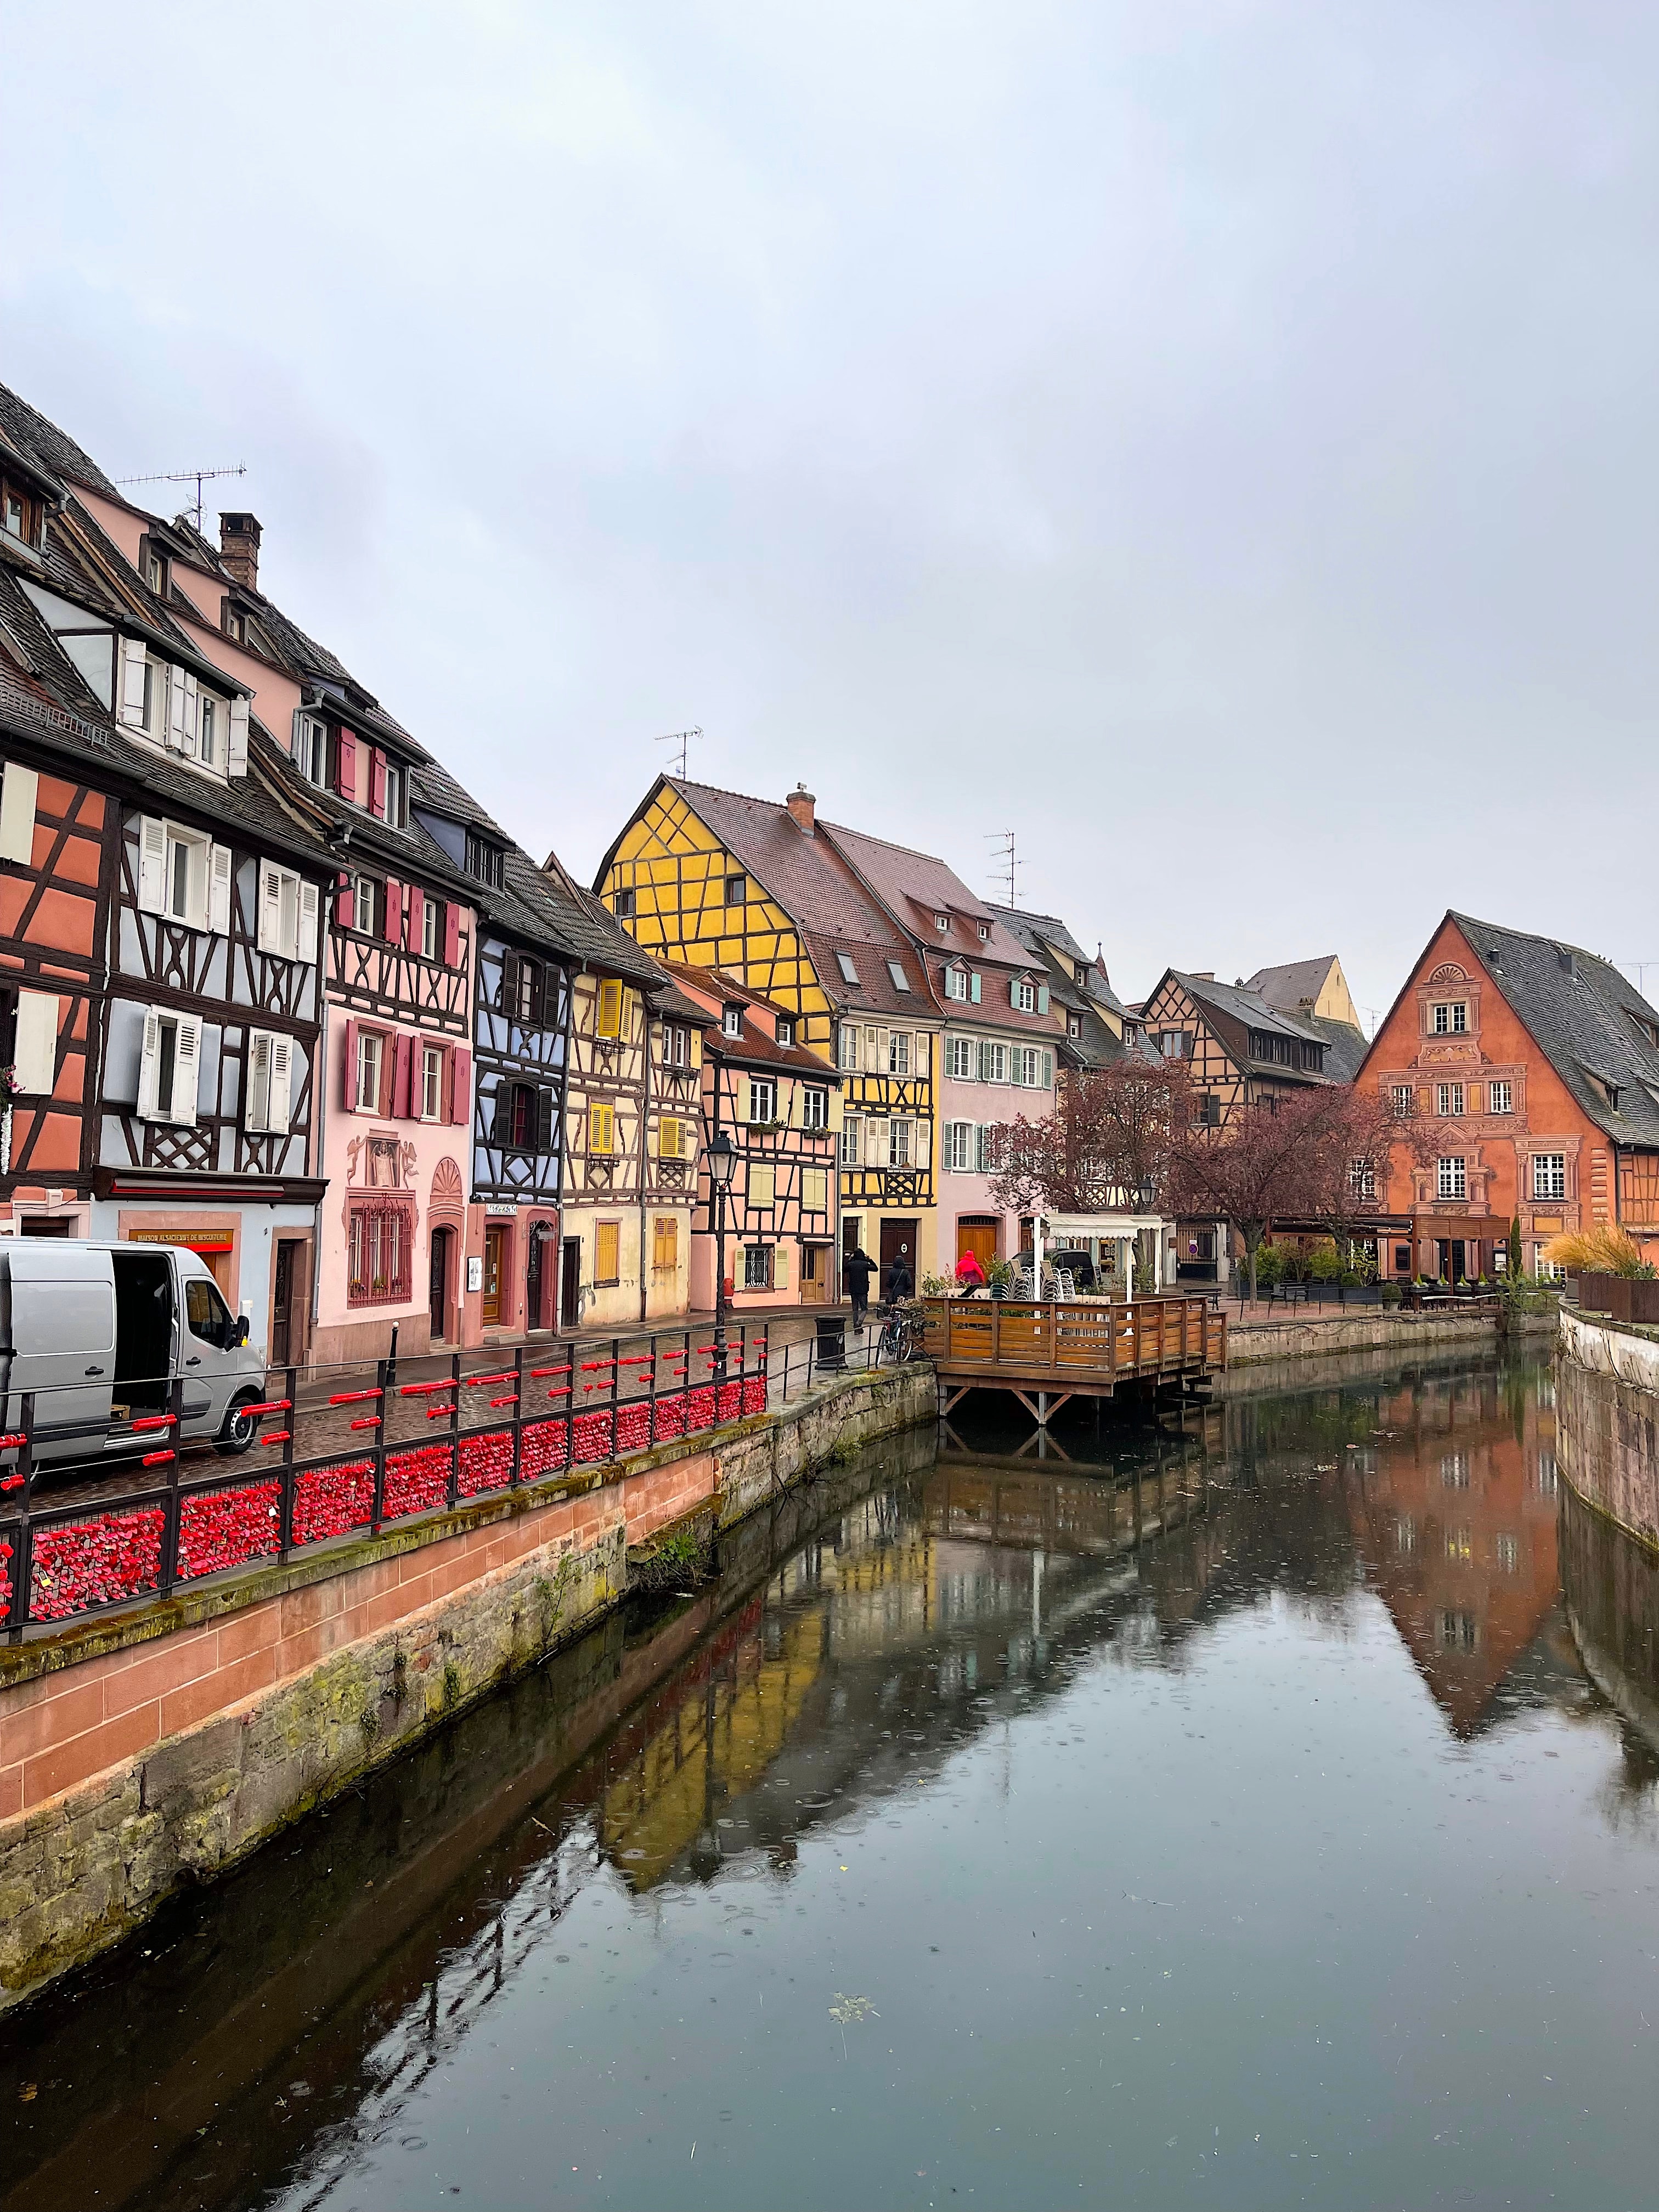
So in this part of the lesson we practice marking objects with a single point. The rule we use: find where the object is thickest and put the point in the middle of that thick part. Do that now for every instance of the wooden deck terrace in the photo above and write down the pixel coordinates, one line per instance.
(1048, 1351)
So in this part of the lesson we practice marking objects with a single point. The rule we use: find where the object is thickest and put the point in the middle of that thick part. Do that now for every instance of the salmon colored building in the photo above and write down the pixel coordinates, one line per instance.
(1535, 1066)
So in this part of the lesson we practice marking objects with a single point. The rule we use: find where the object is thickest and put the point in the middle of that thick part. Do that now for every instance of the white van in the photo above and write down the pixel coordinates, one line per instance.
(99, 1332)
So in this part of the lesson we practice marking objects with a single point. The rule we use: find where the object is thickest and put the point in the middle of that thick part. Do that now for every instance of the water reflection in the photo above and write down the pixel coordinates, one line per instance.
(963, 1679)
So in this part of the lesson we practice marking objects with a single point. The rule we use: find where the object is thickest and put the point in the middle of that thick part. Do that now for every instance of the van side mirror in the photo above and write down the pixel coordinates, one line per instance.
(241, 1328)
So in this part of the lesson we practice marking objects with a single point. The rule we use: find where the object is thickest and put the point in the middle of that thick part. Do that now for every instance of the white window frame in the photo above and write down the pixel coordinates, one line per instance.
(1404, 1098)
(206, 743)
(1026, 997)
(762, 1092)
(959, 1147)
(179, 1110)
(268, 1107)
(429, 928)
(310, 749)
(849, 973)
(432, 1083)
(850, 1146)
(1449, 1018)
(814, 1108)
(1549, 1175)
(731, 1021)
(1500, 1097)
(371, 1054)
(992, 1061)
(207, 874)
(898, 1052)
(899, 1148)
(1449, 1101)
(1451, 1177)
(280, 891)
(847, 1057)
(964, 1061)
(956, 984)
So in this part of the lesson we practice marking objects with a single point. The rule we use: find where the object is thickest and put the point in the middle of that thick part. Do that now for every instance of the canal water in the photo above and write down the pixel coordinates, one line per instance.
(1222, 1814)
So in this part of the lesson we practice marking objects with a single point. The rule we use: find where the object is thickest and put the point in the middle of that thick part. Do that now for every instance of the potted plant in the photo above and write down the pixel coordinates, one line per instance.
(1000, 1275)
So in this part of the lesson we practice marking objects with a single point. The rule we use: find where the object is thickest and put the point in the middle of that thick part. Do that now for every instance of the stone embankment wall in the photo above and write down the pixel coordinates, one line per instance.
(1405, 1338)
(141, 1753)
(1607, 1420)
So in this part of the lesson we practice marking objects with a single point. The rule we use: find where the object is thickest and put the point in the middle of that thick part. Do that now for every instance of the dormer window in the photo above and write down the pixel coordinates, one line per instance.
(392, 812)
(311, 749)
(1074, 1025)
(942, 923)
(849, 974)
(235, 623)
(785, 1030)
(1080, 974)
(484, 861)
(901, 981)
(732, 1022)
(154, 563)
(20, 514)
(985, 932)
(955, 983)
(1026, 997)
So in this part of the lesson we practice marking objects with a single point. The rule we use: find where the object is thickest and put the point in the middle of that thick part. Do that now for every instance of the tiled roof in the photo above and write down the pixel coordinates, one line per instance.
(1239, 1011)
(47, 446)
(875, 991)
(1295, 984)
(1584, 1022)
(1344, 1046)
(918, 886)
(759, 1043)
(1047, 935)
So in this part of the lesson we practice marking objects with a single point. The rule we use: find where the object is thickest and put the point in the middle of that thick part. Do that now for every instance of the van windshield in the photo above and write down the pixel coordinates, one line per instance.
(209, 1316)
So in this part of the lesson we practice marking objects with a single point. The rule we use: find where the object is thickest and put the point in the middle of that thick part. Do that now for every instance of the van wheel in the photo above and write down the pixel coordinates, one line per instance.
(239, 1429)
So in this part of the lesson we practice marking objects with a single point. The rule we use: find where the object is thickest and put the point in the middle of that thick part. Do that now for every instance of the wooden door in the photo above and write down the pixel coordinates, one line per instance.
(814, 1273)
(494, 1274)
(534, 1278)
(439, 1288)
(284, 1336)
(898, 1242)
(977, 1233)
(570, 1283)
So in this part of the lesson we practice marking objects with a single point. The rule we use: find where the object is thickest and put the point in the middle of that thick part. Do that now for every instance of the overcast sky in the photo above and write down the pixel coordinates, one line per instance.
(1217, 443)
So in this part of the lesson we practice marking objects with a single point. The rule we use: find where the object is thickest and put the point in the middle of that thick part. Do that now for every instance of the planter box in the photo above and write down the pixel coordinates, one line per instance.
(1623, 1297)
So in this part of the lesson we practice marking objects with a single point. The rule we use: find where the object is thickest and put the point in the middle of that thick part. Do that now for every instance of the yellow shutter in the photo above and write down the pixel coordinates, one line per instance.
(671, 1143)
(815, 1190)
(763, 1182)
(781, 1268)
(607, 1252)
(610, 1006)
(601, 1128)
(666, 1243)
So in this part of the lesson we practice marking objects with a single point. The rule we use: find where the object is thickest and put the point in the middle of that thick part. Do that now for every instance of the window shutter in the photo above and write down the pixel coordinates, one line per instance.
(377, 783)
(187, 1070)
(130, 707)
(19, 789)
(451, 934)
(417, 902)
(36, 1062)
(1013, 991)
(1048, 1070)
(394, 912)
(149, 1063)
(348, 1089)
(218, 890)
(401, 1051)
(985, 1061)
(974, 987)
(270, 933)
(190, 737)
(236, 751)
(152, 865)
(460, 1083)
(282, 1081)
(982, 1150)
(543, 1119)
(307, 945)
(255, 1116)
(781, 1268)
(1043, 998)
(345, 765)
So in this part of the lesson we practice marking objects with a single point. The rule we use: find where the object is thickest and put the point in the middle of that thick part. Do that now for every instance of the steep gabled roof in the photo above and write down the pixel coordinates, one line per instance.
(758, 1047)
(1235, 1012)
(916, 886)
(1047, 935)
(1295, 984)
(49, 448)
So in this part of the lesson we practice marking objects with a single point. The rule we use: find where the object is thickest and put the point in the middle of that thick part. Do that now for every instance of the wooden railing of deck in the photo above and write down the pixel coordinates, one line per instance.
(1066, 1339)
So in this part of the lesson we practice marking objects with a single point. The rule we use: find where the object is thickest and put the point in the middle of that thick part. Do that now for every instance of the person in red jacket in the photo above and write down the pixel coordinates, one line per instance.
(971, 1276)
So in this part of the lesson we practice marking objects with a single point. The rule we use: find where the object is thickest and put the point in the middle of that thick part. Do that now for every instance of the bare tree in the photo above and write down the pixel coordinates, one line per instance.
(1107, 1144)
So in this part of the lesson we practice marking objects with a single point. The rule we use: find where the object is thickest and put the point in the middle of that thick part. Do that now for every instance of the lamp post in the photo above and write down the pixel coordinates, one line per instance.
(722, 1159)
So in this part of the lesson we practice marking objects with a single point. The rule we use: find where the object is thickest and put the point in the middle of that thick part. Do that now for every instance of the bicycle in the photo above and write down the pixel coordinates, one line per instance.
(897, 1341)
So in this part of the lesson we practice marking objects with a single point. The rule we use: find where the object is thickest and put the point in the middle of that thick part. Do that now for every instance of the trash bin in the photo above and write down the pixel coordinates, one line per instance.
(832, 1340)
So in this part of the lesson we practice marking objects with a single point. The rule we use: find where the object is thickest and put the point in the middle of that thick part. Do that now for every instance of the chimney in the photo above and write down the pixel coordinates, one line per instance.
(1564, 954)
(1204, 975)
(803, 808)
(239, 548)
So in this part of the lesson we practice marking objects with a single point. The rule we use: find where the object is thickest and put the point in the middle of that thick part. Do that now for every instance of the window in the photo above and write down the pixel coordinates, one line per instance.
(610, 1009)
(211, 1321)
(1362, 1179)
(901, 981)
(1549, 1174)
(621, 905)
(371, 1061)
(993, 1062)
(19, 514)
(1547, 1473)
(847, 1046)
(955, 983)
(368, 906)
(731, 1021)
(985, 932)
(234, 621)
(431, 921)
(849, 1141)
(736, 890)
(1447, 1100)
(959, 1147)
(311, 749)
(675, 1045)
(1403, 1098)
(898, 1053)
(814, 1108)
(1450, 1019)
(393, 800)
(942, 923)
(523, 984)
(758, 1266)
(664, 1244)
(763, 1098)
(671, 1137)
(169, 1068)
(484, 861)
(785, 1030)
(607, 1253)
(1025, 995)
(1507, 1552)
(1172, 1043)
(985, 1151)
(1074, 1025)
(1034, 1067)
(1455, 1470)
(601, 1128)
(288, 914)
(207, 738)
(815, 1190)
(760, 1184)
(959, 1059)
(849, 974)
(1209, 1109)
(432, 1083)
(379, 1246)
(898, 1145)
(270, 1076)
(1450, 1180)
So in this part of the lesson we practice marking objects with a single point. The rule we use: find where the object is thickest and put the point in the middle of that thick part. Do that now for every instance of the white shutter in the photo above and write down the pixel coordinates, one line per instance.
(190, 740)
(308, 949)
(255, 1110)
(270, 908)
(237, 761)
(37, 1042)
(174, 680)
(149, 1064)
(186, 1070)
(219, 890)
(875, 1144)
(281, 1078)
(130, 696)
(18, 789)
(152, 865)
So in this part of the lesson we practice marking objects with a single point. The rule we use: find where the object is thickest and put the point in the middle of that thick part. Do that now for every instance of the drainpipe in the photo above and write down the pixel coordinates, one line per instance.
(645, 1142)
(563, 1320)
(320, 1101)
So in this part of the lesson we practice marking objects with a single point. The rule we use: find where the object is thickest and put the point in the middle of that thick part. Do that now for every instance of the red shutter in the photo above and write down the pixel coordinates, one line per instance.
(376, 784)
(394, 912)
(345, 765)
(344, 901)
(402, 1056)
(348, 1091)
(416, 916)
(451, 934)
(460, 1083)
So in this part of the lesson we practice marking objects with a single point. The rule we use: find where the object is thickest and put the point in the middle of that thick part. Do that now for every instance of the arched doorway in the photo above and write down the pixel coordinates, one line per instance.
(443, 1243)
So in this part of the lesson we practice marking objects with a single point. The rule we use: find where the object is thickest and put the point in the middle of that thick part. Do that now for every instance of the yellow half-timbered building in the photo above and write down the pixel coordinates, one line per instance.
(747, 886)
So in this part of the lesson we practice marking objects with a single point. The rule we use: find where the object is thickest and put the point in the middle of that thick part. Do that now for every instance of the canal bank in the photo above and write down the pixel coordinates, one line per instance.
(159, 1747)
(1403, 1336)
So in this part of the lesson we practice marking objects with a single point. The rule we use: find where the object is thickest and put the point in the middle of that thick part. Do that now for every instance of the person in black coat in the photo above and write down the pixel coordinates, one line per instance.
(858, 1268)
(901, 1283)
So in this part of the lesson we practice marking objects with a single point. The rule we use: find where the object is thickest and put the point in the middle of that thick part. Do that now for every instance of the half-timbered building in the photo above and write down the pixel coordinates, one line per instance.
(780, 1106)
(1079, 988)
(717, 880)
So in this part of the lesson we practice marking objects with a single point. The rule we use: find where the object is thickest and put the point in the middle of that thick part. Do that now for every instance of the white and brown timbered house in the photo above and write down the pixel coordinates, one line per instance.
(780, 1105)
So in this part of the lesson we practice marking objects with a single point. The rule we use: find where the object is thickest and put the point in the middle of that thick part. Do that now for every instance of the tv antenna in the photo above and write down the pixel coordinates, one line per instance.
(197, 476)
(1004, 858)
(682, 739)
(1641, 967)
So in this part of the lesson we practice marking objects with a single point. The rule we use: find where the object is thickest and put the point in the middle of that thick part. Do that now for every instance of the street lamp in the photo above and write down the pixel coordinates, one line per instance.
(721, 1155)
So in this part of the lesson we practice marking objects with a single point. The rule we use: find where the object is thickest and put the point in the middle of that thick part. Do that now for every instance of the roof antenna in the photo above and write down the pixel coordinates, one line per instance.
(1003, 842)
(197, 476)
(682, 739)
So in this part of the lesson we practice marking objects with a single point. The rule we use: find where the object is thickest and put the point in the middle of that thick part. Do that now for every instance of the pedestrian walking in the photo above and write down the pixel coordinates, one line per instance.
(858, 1268)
